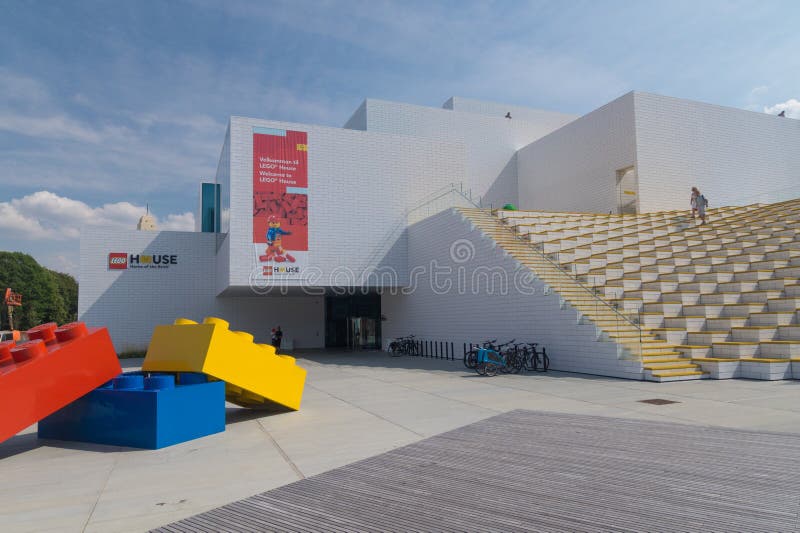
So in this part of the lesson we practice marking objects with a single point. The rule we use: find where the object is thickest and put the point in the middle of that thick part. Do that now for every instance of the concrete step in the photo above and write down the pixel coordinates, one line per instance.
(771, 318)
(766, 369)
(706, 310)
(782, 349)
(674, 336)
(663, 376)
(720, 298)
(717, 277)
(743, 309)
(667, 309)
(783, 304)
(753, 275)
(687, 323)
(792, 291)
(789, 333)
(706, 338)
(661, 285)
(754, 333)
(693, 350)
(730, 349)
(738, 286)
(761, 296)
(726, 323)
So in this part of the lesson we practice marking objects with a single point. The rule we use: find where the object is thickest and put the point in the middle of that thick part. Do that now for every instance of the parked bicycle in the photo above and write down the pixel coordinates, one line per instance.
(403, 346)
(491, 358)
(526, 357)
(490, 361)
(471, 357)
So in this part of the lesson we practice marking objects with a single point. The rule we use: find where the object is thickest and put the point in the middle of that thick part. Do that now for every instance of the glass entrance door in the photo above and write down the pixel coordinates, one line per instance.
(362, 333)
(353, 321)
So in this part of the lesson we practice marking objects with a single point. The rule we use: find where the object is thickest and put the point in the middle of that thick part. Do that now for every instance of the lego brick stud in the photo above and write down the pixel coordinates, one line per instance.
(27, 351)
(72, 331)
(45, 332)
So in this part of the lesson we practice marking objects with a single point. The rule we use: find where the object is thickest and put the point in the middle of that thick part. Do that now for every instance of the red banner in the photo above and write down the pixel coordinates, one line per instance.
(280, 183)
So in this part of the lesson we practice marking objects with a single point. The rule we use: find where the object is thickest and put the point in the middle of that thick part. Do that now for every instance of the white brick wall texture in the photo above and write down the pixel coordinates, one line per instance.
(490, 141)
(734, 156)
(574, 168)
(551, 120)
(132, 302)
(461, 305)
(360, 186)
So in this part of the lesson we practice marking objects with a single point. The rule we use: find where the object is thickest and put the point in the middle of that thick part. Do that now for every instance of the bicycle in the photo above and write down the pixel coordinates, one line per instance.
(525, 357)
(403, 346)
(490, 361)
(471, 357)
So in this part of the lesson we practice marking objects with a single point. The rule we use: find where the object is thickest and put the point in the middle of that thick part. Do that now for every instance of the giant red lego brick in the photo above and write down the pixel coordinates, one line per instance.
(55, 368)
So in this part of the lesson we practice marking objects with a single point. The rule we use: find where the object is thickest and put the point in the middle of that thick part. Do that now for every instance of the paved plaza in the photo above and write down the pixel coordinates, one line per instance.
(356, 406)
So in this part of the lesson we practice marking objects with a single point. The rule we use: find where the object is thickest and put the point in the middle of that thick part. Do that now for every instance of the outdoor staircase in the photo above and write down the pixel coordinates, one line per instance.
(719, 300)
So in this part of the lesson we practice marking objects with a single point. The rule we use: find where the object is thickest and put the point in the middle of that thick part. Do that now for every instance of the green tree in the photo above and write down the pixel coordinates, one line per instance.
(47, 296)
(68, 288)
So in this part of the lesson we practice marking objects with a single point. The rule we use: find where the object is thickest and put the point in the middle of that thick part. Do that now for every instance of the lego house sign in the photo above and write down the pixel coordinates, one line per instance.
(126, 261)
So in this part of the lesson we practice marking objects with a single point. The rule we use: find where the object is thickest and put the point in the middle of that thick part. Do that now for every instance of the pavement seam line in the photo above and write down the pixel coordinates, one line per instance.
(283, 454)
(100, 494)
(376, 415)
(409, 387)
(492, 385)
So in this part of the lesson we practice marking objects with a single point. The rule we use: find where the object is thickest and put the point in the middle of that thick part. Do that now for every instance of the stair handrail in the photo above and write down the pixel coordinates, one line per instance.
(569, 275)
(402, 222)
(561, 270)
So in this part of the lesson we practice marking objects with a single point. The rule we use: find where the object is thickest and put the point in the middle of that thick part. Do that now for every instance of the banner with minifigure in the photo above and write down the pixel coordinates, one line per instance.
(280, 202)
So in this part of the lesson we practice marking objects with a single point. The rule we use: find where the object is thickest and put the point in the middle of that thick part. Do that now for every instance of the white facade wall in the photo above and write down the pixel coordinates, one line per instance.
(490, 140)
(550, 119)
(360, 185)
(452, 299)
(132, 302)
(734, 156)
(575, 168)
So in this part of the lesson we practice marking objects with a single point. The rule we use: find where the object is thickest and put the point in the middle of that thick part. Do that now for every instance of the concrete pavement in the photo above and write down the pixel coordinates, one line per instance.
(356, 405)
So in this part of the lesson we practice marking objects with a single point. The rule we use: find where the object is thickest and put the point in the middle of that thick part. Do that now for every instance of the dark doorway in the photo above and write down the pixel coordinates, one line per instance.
(353, 321)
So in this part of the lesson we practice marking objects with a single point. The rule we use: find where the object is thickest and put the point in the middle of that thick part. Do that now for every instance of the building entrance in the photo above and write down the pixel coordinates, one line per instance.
(627, 191)
(353, 321)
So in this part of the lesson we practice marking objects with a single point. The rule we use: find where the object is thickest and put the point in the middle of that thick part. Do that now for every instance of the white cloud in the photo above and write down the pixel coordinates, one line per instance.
(179, 222)
(791, 106)
(52, 127)
(44, 215)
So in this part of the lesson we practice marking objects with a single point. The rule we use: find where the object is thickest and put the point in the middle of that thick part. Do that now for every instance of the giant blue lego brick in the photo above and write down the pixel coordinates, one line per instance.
(142, 410)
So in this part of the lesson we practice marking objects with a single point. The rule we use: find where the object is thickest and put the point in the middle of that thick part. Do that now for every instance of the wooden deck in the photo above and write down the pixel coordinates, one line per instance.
(524, 470)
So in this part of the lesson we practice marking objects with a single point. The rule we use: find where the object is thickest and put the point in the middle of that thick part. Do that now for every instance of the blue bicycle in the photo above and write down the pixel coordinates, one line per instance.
(489, 361)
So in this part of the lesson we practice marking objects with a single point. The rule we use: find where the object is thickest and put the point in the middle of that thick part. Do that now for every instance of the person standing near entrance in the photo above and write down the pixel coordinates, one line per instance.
(277, 337)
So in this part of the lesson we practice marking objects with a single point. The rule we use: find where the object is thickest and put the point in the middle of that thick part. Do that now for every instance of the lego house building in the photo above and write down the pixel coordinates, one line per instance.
(349, 237)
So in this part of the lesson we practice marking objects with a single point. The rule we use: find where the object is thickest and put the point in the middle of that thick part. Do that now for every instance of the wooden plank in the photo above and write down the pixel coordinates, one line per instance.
(525, 470)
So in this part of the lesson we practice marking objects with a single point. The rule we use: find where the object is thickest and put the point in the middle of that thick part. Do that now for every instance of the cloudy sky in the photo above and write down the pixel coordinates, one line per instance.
(107, 106)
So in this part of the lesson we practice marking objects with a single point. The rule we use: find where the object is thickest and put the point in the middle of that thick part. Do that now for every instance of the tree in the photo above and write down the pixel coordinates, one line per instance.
(68, 288)
(47, 296)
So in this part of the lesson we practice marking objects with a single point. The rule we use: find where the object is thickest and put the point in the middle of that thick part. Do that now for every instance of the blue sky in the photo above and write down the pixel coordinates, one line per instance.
(105, 106)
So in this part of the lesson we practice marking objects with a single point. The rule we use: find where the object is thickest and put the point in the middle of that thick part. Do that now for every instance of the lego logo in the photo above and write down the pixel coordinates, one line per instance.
(117, 261)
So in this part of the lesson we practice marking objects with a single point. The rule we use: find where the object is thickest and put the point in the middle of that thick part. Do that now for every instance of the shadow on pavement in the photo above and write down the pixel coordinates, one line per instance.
(26, 442)
(380, 359)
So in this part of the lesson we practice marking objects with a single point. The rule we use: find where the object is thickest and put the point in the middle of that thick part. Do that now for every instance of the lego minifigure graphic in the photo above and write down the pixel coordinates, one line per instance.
(275, 251)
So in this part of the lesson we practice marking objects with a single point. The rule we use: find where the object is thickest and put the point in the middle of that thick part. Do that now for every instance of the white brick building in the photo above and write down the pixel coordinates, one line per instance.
(378, 193)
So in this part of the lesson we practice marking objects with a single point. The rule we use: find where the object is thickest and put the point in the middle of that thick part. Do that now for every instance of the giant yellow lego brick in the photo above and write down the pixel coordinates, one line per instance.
(254, 375)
